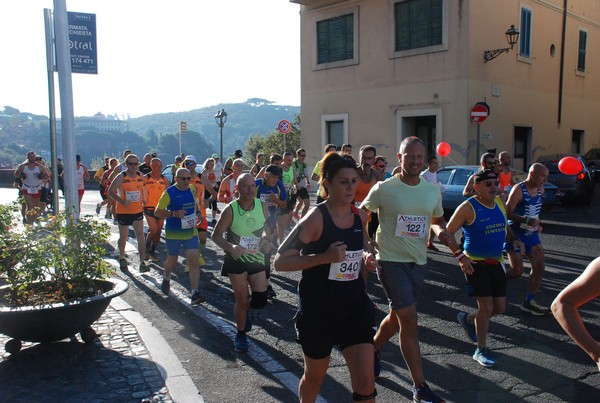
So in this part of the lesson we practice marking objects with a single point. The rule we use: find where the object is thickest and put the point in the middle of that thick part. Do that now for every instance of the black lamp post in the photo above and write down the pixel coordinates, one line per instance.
(512, 36)
(220, 119)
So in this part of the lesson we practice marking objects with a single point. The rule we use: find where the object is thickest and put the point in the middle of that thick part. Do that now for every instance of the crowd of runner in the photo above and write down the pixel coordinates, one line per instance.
(366, 220)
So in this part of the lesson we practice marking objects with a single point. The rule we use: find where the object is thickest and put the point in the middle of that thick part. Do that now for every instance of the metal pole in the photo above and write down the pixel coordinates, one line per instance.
(221, 149)
(51, 105)
(478, 143)
(179, 142)
(65, 85)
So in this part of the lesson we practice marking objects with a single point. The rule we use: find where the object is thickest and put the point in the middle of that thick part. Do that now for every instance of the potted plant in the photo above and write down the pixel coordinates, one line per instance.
(55, 278)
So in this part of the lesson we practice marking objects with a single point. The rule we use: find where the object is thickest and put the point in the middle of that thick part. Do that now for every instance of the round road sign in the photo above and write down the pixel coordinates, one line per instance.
(479, 113)
(284, 126)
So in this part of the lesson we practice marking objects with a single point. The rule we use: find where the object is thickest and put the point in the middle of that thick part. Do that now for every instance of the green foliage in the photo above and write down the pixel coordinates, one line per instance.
(64, 252)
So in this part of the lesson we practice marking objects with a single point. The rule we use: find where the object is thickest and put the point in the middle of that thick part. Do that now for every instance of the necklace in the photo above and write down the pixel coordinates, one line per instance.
(246, 211)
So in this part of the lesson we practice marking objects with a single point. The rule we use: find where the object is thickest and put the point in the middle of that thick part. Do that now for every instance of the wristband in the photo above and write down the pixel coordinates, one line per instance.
(459, 256)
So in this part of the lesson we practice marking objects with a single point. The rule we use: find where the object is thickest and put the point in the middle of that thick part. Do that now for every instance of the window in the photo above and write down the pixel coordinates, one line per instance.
(335, 39)
(525, 38)
(335, 132)
(581, 50)
(418, 24)
(577, 141)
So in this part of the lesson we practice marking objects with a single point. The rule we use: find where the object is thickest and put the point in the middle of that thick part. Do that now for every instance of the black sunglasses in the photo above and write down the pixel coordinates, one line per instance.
(184, 178)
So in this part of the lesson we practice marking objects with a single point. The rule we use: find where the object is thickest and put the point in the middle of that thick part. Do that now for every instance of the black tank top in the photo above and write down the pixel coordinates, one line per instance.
(315, 287)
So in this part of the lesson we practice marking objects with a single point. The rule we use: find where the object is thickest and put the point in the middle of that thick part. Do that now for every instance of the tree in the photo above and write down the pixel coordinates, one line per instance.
(273, 142)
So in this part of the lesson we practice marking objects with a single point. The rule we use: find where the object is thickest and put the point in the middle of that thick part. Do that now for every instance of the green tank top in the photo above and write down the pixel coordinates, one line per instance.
(246, 230)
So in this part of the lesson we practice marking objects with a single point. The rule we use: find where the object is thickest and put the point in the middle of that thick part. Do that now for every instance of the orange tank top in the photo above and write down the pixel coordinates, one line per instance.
(132, 189)
(197, 182)
(154, 189)
(362, 189)
(504, 179)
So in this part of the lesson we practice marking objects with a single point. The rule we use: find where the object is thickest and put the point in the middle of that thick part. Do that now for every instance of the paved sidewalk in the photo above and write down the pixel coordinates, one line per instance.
(127, 363)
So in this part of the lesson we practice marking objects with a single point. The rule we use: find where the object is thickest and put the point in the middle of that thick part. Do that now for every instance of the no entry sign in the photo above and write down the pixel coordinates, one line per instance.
(479, 113)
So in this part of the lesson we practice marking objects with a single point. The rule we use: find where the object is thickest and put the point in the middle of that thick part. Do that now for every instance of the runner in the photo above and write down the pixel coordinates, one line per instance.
(101, 188)
(178, 204)
(209, 176)
(407, 207)
(303, 184)
(367, 178)
(111, 207)
(83, 176)
(244, 220)
(330, 246)
(227, 190)
(260, 162)
(32, 175)
(155, 184)
(127, 189)
(227, 169)
(430, 175)
(316, 174)
(288, 178)
(523, 209)
(483, 220)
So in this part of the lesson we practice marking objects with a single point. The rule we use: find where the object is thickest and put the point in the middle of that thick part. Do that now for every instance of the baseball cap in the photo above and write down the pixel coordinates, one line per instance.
(274, 169)
(190, 158)
(215, 155)
(238, 153)
(484, 174)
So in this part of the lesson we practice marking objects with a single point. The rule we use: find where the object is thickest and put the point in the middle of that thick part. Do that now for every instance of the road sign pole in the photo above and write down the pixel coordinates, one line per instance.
(478, 143)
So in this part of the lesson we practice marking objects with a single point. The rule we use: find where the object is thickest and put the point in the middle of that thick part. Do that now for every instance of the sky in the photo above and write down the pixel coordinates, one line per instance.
(158, 56)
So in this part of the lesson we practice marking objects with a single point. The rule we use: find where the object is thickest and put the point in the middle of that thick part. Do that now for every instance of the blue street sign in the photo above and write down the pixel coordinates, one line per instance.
(82, 43)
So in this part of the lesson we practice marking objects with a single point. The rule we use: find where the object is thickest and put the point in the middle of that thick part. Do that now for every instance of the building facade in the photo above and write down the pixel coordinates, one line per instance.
(377, 71)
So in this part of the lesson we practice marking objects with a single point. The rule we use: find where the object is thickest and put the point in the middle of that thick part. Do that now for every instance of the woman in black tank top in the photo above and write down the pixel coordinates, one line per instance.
(331, 247)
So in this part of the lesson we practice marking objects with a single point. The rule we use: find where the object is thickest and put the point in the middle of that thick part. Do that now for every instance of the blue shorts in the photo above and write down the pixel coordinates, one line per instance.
(529, 241)
(401, 282)
(174, 244)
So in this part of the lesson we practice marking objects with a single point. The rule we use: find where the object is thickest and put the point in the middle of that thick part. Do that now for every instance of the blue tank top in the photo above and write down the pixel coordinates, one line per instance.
(484, 237)
(180, 200)
(530, 206)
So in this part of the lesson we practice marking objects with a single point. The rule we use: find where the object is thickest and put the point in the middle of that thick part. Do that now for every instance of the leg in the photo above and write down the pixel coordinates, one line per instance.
(152, 230)
(306, 207)
(314, 373)
(138, 229)
(482, 319)
(536, 257)
(409, 343)
(123, 235)
(239, 283)
(516, 265)
(282, 223)
(388, 327)
(359, 359)
(192, 261)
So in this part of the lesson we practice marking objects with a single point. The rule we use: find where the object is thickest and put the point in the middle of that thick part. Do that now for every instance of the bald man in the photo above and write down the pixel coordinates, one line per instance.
(523, 210)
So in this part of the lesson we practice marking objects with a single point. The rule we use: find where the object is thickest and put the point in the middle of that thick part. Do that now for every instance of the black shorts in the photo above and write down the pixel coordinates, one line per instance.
(319, 332)
(129, 219)
(487, 280)
(303, 193)
(232, 266)
(102, 190)
(149, 211)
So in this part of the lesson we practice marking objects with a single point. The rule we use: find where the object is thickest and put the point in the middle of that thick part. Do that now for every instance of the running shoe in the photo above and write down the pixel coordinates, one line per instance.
(197, 298)
(98, 208)
(533, 308)
(153, 256)
(424, 394)
(469, 328)
(377, 363)
(143, 268)
(482, 356)
(241, 343)
(165, 286)
(270, 292)
(432, 247)
(123, 264)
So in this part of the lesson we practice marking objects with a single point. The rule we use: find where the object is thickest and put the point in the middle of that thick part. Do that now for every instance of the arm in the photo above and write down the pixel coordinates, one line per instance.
(469, 190)
(462, 215)
(223, 189)
(112, 190)
(583, 289)
(86, 173)
(19, 171)
(99, 174)
(208, 185)
(261, 173)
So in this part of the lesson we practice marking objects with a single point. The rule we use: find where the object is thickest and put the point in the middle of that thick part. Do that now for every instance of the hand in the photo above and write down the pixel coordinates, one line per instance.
(518, 246)
(370, 261)
(466, 265)
(336, 252)
(237, 251)
(266, 246)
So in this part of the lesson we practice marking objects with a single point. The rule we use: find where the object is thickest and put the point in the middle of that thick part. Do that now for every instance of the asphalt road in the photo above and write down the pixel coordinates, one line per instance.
(537, 361)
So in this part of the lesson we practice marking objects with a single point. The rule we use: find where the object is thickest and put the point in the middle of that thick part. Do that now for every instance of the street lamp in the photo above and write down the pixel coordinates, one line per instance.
(512, 36)
(220, 119)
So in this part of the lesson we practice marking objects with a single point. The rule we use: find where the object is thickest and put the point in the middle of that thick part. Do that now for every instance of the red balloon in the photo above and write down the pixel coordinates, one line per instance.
(570, 166)
(443, 149)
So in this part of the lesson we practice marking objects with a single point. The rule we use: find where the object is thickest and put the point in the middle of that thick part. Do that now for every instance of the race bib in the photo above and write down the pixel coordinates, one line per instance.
(266, 197)
(347, 270)
(357, 204)
(188, 221)
(250, 243)
(133, 196)
(411, 226)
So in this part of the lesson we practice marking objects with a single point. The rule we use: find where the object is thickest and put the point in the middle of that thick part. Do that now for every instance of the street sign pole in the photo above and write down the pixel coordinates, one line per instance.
(478, 143)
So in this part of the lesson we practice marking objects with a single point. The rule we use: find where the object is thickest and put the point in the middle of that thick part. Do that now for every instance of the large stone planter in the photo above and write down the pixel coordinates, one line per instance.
(54, 322)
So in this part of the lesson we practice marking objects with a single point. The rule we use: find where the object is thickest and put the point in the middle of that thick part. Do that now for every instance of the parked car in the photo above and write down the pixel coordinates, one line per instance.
(592, 161)
(454, 178)
(577, 188)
